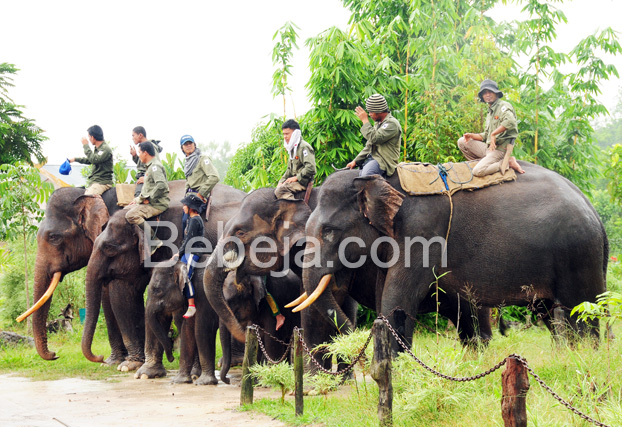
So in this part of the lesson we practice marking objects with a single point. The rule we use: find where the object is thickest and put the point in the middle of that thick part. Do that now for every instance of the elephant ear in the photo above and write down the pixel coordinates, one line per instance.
(379, 202)
(288, 224)
(92, 215)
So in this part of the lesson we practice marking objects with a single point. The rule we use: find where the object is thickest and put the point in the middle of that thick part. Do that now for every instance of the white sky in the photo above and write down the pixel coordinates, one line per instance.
(197, 67)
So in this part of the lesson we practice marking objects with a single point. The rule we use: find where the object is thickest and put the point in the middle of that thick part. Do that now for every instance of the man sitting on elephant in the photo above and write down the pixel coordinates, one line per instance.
(100, 157)
(493, 148)
(382, 150)
(300, 165)
(153, 199)
(201, 175)
(139, 135)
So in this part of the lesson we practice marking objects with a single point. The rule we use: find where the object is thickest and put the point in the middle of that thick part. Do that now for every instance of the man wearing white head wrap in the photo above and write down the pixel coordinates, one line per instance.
(300, 165)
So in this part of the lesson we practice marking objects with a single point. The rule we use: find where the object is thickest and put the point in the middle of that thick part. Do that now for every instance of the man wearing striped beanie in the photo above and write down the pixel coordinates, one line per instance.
(382, 150)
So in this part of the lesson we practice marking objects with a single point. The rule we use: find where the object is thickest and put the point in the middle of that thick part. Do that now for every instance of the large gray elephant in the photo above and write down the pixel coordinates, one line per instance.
(262, 217)
(116, 269)
(533, 242)
(65, 239)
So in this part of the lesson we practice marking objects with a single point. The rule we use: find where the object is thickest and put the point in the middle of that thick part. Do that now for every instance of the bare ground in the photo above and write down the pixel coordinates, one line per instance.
(124, 400)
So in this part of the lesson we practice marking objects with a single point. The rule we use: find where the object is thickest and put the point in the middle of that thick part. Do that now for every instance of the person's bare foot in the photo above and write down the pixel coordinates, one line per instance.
(514, 165)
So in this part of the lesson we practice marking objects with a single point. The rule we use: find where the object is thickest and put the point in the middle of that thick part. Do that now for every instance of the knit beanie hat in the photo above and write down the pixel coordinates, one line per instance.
(376, 104)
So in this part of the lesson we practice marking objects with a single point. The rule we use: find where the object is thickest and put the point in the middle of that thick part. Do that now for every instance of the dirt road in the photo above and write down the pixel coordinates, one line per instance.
(125, 401)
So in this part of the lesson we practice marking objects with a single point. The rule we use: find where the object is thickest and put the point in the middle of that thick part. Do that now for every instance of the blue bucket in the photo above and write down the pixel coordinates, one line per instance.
(82, 312)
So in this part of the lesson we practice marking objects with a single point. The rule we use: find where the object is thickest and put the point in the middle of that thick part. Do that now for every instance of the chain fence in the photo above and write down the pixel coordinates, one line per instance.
(406, 348)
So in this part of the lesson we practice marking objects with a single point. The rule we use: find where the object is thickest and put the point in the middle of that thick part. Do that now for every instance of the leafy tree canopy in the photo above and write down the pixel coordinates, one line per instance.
(20, 138)
(428, 57)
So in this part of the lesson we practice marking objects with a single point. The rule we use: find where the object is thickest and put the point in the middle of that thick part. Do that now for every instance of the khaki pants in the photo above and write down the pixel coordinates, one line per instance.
(95, 189)
(139, 213)
(288, 189)
(489, 161)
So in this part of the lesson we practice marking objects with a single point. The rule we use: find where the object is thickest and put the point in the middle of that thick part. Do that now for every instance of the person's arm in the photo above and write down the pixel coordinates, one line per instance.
(307, 173)
(160, 184)
(387, 131)
(361, 156)
(287, 174)
(493, 137)
(211, 180)
(102, 156)
(192, 232)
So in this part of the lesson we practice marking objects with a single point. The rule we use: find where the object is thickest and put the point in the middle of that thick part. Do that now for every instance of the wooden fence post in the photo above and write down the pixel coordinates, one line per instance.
(515, 382)
(298, 370)
(381, 372)
(250, 358)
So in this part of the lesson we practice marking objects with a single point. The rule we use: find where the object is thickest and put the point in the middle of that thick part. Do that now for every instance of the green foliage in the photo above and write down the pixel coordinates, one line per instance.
(21, 194)
(613, 170)
(281, 56)
(121, 172)
(220, 154)
(20, 138)
(279, 377)
(174, 167)
(608, 307)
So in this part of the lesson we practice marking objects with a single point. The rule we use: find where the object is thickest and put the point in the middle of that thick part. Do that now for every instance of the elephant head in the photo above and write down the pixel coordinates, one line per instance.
(64, 243)
(258, 240)
(165, 297)
(354, 213)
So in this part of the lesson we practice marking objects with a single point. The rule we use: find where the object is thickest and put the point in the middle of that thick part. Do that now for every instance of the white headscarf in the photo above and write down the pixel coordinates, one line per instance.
(294, 140)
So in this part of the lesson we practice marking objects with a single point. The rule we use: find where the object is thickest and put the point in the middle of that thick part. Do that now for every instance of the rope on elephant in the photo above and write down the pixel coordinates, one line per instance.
(521, 359)
(451, 215)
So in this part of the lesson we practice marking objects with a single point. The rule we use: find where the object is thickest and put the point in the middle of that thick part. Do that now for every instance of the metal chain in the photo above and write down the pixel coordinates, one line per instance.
(435, 372)
(338, 372)
(523, 362)
(272, 336)
(263, 348)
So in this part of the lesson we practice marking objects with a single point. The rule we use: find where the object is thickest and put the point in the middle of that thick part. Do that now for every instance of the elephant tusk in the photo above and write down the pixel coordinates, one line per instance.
(46, 296)
(316, 293)
(297, 301)
(232, 260)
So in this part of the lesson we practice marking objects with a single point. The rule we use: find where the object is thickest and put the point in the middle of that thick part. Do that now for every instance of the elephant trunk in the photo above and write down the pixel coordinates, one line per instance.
(153, 314)
(225, 344)
(94, 284)
(213, 280)
(44, 281)
(325, 303)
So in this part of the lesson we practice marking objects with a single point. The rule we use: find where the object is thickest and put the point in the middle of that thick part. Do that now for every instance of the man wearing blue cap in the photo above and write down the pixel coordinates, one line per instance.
(493, 148)
(139, 135)
(201, 175)
(100, 178)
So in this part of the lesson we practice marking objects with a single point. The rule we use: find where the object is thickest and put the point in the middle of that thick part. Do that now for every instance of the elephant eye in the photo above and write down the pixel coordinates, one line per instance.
(240, 233)
(55, 238)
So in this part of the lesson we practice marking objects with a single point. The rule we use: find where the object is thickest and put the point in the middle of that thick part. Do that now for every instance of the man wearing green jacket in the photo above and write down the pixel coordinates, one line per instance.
(139, 135)
(493, 148)
(153, 199)
(300, 165)
(100, 157)
(382, 150)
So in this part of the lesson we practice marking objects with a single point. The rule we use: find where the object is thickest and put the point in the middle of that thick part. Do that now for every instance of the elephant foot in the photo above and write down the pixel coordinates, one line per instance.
(196, 372)
(207, 379)
(182, 379)
(150, 371)
(114, 361)
(129, 365)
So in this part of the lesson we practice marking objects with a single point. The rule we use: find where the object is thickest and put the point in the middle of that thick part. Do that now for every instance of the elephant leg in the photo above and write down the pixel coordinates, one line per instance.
(154, 352)
(118, 351)
(187, 351)
(129, 310)
(205, 334)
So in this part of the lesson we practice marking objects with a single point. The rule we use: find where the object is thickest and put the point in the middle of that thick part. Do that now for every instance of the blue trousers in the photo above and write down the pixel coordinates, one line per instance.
(190, 261)
(371, 167)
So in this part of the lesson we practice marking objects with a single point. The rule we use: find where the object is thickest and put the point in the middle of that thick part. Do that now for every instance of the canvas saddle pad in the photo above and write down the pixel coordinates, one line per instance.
(125, 193)
(421, 179)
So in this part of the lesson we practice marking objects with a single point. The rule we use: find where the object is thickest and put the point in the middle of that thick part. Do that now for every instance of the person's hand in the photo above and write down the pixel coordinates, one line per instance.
(203, 199)
(140, 180)
(292, 179)
(362, 114)
(175, 256)
(132, 150)
(133, 202)
(493, 143)
(73, 159)
(467, 137)
(351, 165)
(85, 141)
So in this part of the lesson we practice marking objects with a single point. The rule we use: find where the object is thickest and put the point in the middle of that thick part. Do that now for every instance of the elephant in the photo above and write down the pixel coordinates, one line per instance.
(248, 302)
(65, 240)
(261, 216)
(115, 269)
(547, 248)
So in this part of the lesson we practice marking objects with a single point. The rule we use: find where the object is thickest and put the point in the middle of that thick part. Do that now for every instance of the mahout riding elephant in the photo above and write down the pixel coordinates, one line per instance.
(533, 242)
(65, 239)
(116, 269)
(247, 300)
(262, 217)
